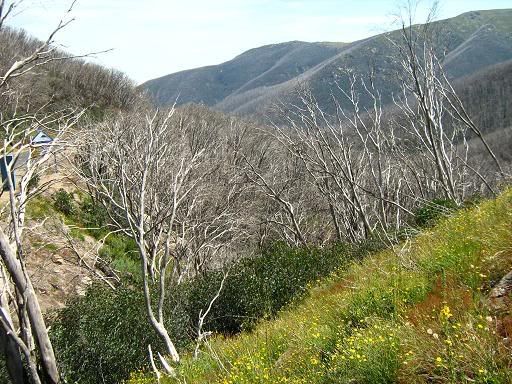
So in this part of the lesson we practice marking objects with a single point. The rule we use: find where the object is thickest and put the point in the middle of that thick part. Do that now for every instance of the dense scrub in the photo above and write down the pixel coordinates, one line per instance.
(415, 313)
(259, 287)
(104, 335)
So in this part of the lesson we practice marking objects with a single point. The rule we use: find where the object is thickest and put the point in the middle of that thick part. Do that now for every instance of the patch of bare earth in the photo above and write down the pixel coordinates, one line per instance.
(59, 265)
(62, 263)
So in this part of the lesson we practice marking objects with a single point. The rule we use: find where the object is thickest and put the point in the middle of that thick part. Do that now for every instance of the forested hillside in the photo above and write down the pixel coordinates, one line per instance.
(259, 67)
(160, 244)
(72, 82)
(468, 43)
(486, 95)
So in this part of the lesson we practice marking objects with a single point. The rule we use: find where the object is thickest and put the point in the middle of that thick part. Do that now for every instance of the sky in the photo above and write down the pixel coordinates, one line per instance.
(151, 38)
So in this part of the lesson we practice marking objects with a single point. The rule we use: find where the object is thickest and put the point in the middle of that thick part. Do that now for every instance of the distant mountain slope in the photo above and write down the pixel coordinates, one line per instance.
(486, 95)
(486, 46)
(251, 82)
(259, 67)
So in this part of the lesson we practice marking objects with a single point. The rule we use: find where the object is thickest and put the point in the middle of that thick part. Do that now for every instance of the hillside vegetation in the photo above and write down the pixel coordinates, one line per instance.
(251, 82)
(195, 246)
(485, 95)
(416, 313)
(62, 83)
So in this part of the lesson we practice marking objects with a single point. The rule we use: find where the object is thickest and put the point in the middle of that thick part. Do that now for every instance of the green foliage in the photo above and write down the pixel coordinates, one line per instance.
(39, 208)
(259, 287)
(51, 247)
(63, 202)
(76, 233)
(121, 251)
(407, 314)
(92, 215)
(101, 337)
(432, 211)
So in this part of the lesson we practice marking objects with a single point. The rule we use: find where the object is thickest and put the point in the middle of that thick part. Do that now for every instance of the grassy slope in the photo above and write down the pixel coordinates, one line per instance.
(415, 314)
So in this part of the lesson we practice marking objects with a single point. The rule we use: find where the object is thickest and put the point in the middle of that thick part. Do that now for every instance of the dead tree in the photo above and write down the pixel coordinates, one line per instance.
(141, 169)
(213, 223)
(347, 158)
(23, 333)
(278, 180)
(165, 181)
(427, 101)
(31, 160)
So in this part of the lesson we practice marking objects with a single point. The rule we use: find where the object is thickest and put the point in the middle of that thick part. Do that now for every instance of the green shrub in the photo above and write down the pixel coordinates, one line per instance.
(39, 208)
(432, 211)
(63, 202)
(103, 336)
(122, 253)
(92, 215)
(259, 287)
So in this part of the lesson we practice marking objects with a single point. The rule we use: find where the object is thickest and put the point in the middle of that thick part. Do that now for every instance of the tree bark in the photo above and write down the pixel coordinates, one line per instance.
(24, 286)
(9, 348)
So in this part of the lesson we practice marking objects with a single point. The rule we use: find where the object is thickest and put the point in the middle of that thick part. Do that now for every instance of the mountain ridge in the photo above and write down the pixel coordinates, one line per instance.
(252, 81)
(235, 75)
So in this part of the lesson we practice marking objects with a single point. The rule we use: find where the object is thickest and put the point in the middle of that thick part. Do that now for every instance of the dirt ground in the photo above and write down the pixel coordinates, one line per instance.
(60, 263)
(60, 266)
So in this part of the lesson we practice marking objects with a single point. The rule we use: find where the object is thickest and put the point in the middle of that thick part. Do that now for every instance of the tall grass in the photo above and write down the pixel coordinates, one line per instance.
(412, 314)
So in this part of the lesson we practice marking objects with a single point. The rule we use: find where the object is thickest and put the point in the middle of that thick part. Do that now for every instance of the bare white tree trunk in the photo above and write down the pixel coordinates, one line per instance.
(23, 285)
(28, 341)
(166, 181)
